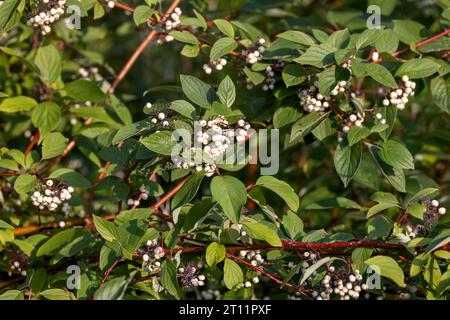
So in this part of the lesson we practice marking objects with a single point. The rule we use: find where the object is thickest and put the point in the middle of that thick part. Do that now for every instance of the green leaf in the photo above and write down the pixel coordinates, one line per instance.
(16, 104)
(292, 224)
(131, 235)
(188, 190)
(99, 11)
(197, 91)
(314, 267)
(421, 194)
(73, 248)
(263, 232)
(347, 160)
(107, 229)
(297, 37)
(45, 116)
(12, 295)
(73, 178)
(359, 255)
(56, 294)
(375, 70)
(25, 183)
(387, 42)
(384, 197)
(293, 74)
(9, 164)
(84, 90)
(7, 13)
(379, 227)
(390, 114)
(329, 78)
(440, 90)
(232, 274)
(222, 47)
(417, 264)
(418, 68)
(441, 239)
(444, 284)
(59, 240)
(215, 253)
(408, 31)
(184, 108)
(357, 134)
(227, 91)
(432, 273)
(284, 116)
(4, 225)
(387, 267)
(231, 194)
(160, 142)
(396, 155)
(255, 77)
(131, 130)
(49, 62)
(395, 176)
(378, 208)
(282, 189)
(53, 145)
(190, 51)
(225, 27)
(185, 37)
(112, 289)
(141, 14)
(169, 277)
(317, 56)
(368, 37)
(306, 124)
(339, 39)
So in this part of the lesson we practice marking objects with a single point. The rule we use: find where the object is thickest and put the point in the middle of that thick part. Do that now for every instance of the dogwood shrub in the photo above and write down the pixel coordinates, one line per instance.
(116, 118)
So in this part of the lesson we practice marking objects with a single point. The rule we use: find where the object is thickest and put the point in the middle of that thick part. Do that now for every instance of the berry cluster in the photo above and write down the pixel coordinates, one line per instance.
(217, 64)
(242, 232)
(356, 119)
(66, 209)
(157, 116)
(210, 294)
(214, 138)
(399, 97)
(190, 278)
(19, 264)
(341, 87)
(347, 64)
(43, 18)
(174, 20)
(144, 194)
(313, 101)
(152, 252)
(248, 284)
(380, 118)
(253, 54)
(431, 213)
(51, 196)
(346, 286)
(269, 81)
(253, 255)
(86, 74)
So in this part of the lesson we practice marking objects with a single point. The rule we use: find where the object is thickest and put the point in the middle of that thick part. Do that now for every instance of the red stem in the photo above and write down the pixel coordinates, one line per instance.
(32, 143)
(110, 269)
(424, 42)
(264, 273)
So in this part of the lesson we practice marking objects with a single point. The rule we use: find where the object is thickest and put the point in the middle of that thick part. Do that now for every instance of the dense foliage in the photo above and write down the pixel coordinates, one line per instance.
(350, 109)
